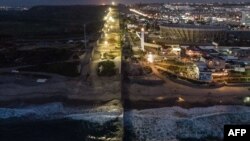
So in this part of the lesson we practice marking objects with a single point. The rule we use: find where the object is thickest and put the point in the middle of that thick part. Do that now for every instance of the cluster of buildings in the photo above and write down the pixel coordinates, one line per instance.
(215, 38)
(208, 62)
(182, 23)
(216, 61)
(245, 20)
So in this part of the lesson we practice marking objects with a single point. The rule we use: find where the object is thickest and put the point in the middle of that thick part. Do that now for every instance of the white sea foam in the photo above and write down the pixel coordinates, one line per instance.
(98, 117)
(160, 124)
(32, 111)
(57, 110)
(172, 123)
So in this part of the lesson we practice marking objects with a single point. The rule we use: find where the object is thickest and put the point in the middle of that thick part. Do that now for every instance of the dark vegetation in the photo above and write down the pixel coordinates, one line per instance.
(41, 21)
(47, 27)
(108, 68)
(14, 57)
(69, 69)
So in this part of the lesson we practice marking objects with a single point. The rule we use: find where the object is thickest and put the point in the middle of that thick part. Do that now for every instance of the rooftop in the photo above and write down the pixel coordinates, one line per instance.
(192, 26)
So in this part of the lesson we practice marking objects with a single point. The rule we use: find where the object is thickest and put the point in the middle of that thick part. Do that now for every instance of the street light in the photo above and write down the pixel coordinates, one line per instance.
(247, 100)
(106, 43)
(111, 19)
(150, 58)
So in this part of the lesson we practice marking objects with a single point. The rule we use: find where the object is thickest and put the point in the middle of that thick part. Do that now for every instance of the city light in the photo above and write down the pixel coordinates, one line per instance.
(106, 43)
(150, 58)
(247, 100)
(180, 99)
(220, 74)
(182, 68)
(111, 19)
(139, 13)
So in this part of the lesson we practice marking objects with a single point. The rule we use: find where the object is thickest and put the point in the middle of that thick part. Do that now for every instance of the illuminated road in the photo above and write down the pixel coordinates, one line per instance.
(110, 42)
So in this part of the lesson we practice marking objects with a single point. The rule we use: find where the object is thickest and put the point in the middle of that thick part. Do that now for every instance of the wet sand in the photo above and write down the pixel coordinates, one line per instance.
(136, 96)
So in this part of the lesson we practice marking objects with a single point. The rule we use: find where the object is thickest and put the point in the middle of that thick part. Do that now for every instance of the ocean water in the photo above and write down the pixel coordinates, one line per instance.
(59, 130)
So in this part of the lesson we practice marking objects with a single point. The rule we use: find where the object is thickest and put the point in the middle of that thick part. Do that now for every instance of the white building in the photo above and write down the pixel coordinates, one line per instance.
(245, 19)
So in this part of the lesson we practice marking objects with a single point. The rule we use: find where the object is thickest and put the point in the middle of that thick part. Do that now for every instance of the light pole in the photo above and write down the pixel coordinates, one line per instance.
(142, 39)
(106, 43)
(150, 58)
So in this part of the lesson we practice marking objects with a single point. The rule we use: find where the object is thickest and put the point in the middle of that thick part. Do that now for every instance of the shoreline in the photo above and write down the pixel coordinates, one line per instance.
(71, 102)
(173, 102)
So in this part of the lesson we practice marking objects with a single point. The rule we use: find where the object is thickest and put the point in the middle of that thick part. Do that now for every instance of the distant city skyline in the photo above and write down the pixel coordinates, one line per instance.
(72, 2)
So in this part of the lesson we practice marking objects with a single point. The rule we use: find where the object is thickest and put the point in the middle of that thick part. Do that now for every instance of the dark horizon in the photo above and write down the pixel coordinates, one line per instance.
(100, 2)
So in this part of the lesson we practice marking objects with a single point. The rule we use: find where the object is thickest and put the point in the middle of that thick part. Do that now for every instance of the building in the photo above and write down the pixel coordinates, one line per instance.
(171, 51)
(193, 52)
(132, 26)
(216, 63)
(245, 19)
(203, 74)
(185, 33)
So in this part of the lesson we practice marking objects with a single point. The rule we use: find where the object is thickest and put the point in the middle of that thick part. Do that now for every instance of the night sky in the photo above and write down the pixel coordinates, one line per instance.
(68, 2)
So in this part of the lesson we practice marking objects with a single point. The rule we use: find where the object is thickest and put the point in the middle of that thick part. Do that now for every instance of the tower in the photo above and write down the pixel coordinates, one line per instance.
(142, 39)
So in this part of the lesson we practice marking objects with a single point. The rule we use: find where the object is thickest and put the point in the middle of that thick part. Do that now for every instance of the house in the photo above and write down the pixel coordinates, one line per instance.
(216, 63)
(193, 52)
(203, 74)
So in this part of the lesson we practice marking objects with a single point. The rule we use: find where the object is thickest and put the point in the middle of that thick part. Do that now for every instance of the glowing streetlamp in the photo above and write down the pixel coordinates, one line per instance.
(150, 58)
(247, 100)
(106, 43)
(111, 19)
